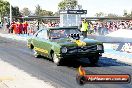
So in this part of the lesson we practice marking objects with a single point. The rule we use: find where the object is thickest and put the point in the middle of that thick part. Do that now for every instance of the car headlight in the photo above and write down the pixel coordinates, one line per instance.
(99, 47)
(63, 49)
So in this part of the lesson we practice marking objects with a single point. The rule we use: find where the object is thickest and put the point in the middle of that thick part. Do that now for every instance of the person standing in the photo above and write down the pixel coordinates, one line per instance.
(20, 28)
(84, 28)
(25, 25)
(8, 27)
(15, 28)
(12, 27)
(91, 28)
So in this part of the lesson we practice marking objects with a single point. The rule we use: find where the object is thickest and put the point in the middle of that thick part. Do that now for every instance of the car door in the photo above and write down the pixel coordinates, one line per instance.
(42, 43)
(36, 41)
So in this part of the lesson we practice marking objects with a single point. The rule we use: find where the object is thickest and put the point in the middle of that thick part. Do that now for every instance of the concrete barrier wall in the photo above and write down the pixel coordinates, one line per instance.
(108, 39)
(116, 43)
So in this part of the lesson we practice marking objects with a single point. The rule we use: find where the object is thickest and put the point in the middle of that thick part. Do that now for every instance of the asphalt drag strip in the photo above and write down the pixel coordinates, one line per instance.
(12, 77)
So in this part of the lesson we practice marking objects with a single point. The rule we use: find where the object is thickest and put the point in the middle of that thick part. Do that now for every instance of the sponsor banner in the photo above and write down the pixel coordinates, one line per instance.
(124, 47)
(104, 78)
(127, 47)
(73, 11)
(76, 11)
(83, 78)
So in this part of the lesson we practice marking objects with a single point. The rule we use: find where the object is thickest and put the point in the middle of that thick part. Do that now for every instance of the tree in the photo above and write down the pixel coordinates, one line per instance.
(67, 4)
(125, 13)
(111, 15)
(46, 13)
(49, 13)
(131, 14)
(4, 8)
(38, 10)
(26, 12)
(56, 13)
(100, 14)
(15, 11)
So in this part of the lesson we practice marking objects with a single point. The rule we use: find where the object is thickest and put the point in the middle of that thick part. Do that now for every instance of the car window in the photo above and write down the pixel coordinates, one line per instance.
(42, 34)
(62, 33)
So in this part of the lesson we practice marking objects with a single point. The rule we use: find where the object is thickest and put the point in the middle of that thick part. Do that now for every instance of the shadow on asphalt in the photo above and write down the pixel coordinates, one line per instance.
(84, 62)
(103, 62)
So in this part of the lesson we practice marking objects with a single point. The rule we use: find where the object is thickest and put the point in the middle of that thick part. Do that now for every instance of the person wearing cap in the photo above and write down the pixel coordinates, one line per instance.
(84, 28)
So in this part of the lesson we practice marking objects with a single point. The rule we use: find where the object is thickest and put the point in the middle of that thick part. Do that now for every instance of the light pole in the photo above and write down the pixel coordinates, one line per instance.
(10, 12)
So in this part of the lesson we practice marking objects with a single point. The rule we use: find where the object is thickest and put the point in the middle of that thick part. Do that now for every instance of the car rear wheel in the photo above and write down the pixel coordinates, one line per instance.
(56, 60)
(94, 60)
(31, 46)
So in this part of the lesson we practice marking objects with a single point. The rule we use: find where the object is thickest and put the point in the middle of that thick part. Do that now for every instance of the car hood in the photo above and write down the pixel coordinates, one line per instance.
(72, 42)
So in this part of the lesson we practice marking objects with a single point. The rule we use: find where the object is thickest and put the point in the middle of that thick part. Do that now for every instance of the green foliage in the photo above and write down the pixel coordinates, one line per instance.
(111, 15)
(100, 14)
(126, 14)
(40, 12)
(56, 13)
(15, 11)
(67, 4)
(46, 13)
(26, 12)
(4, 8)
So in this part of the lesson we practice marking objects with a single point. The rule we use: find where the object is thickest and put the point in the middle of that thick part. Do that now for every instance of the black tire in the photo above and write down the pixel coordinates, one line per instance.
(94, 59)
(56, 60)
(31, 46)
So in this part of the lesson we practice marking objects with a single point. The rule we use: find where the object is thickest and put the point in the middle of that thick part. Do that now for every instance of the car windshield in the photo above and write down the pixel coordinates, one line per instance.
(62, 33)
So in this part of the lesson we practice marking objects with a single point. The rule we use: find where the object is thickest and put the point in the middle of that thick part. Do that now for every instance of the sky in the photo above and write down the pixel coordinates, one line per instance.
(92, 6)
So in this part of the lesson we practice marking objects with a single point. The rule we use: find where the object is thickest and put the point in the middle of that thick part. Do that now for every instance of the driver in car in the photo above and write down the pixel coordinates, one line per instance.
(54, 34)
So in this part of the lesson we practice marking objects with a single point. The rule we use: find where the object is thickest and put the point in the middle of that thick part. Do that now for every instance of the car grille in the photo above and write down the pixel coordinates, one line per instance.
(83, 49)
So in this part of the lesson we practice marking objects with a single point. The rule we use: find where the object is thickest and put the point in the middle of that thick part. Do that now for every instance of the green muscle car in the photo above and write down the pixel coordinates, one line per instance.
(60, 43)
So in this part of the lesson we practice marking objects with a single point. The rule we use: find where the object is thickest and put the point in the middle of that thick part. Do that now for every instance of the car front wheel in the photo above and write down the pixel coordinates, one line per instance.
(56, 60)
(94, 59)
(35, 53)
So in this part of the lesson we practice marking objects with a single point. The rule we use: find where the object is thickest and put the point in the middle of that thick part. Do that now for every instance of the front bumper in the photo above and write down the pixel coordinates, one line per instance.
(83, 51)
(80, 55)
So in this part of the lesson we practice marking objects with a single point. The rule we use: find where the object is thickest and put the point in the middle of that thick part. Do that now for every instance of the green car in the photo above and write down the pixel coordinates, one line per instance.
(61, 43)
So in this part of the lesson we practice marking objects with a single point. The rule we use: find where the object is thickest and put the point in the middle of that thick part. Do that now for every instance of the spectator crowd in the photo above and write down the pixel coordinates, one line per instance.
(94, 27)
(106, 27)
